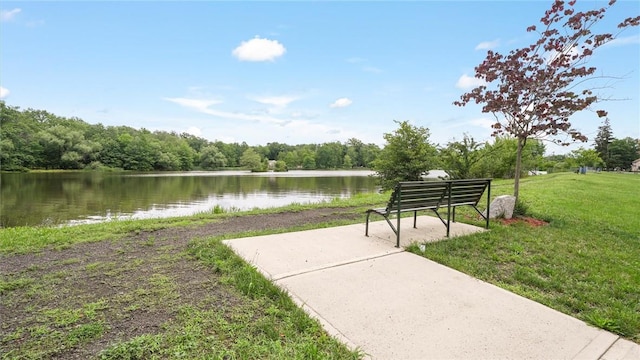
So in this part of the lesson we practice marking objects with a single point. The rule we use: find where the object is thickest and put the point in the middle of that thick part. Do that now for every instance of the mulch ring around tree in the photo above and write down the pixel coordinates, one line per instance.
(533, 222)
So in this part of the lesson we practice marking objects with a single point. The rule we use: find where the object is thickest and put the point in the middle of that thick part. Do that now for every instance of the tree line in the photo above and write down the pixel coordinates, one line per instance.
(408, 155)
(37, 139)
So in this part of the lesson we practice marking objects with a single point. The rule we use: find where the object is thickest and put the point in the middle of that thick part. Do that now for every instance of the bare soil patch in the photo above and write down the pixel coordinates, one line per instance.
(129, 287)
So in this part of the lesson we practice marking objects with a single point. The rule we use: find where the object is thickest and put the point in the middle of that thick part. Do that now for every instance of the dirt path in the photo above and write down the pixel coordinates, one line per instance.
(112, 291)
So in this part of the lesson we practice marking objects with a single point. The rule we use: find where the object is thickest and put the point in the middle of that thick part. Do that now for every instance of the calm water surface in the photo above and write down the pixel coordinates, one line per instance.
(85, 197)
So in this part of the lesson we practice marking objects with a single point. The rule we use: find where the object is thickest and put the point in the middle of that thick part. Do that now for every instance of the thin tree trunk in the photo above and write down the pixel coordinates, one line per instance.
(516, 183)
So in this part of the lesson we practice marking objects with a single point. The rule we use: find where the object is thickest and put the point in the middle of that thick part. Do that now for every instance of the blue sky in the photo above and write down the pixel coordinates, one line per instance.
(292, 72)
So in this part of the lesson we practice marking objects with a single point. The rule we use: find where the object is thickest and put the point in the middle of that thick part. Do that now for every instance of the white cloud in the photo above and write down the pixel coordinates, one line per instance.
(340, 103)
(258, 49)
(203, 106)
(488, 45)
(553, 54)
(278, 104)
(197, 104)
(483, 123)
(468, 82)
(4, 92)
(277, 101)
(294, 132)
(372, 69)
(7, 15)
(193, 130)
(296, 127)
(627, 40)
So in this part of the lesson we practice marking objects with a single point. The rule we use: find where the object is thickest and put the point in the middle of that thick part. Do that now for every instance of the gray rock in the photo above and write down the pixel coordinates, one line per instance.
(502, 206)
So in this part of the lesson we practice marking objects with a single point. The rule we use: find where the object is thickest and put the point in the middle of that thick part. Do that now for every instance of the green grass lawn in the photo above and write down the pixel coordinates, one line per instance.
(585, 263)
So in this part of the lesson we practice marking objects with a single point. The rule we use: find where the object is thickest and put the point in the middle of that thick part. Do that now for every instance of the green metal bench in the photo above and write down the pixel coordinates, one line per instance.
(414, 196)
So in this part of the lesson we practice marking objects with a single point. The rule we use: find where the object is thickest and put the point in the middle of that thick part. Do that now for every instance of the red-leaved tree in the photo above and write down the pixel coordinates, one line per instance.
(533, 91)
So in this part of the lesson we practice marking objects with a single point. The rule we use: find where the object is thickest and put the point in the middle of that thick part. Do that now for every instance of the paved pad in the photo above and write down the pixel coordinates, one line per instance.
(396, 305)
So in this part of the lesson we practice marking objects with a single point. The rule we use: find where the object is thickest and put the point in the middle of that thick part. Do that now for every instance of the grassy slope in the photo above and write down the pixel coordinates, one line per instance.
(585, 263)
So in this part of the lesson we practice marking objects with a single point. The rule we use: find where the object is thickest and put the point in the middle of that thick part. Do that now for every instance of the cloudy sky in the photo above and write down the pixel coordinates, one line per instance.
(292, 72)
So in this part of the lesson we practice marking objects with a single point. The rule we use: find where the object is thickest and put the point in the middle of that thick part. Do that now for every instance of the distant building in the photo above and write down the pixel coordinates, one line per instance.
(635, 165)
(436, 174)
(537, 172)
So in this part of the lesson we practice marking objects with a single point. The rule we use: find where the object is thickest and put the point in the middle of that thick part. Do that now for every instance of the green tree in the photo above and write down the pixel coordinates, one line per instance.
(280, 166)
(138, 153)
(309, 161)
(346, 162)
(291, 158)
(274, 149)
(63, 148)
(211, 158)
(251, 160)
(498, 160)
(7, 155)
(603, 140)
(459, 157)
(19, 147)
(587, 157)
(232, 152)
(623, 153)
(112, 152)
(308, 155)
(329, 155)
(406, 156)
(355, 152)
(534, 91)
(196, 143)
(369, 154)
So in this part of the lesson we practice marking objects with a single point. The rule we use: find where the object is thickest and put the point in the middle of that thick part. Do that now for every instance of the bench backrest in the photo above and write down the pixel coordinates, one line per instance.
(410, 195)
(467, 192)
(415, 195)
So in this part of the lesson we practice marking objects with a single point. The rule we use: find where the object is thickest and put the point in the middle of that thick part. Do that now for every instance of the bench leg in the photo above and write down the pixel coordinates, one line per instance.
(449, 219)
(415, 216)
(397, 230)
(488, 204)
(366, 227)
(445, 223)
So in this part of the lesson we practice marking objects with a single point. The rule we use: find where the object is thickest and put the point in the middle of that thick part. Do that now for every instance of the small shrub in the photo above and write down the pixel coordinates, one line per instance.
(218, 209)
(521, 208)
(280, 166)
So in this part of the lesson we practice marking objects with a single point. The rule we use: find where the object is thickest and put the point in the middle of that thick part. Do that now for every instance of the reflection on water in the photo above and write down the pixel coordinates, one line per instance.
(83, 197)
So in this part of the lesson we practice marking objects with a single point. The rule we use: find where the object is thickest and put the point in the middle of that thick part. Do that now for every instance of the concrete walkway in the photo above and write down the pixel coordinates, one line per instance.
(396, 305)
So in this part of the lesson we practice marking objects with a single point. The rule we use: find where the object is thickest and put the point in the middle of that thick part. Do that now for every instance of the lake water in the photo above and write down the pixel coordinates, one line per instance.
(86, 197)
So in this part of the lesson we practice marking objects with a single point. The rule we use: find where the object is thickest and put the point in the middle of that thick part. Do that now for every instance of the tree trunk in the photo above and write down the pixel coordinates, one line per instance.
(516, 182)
